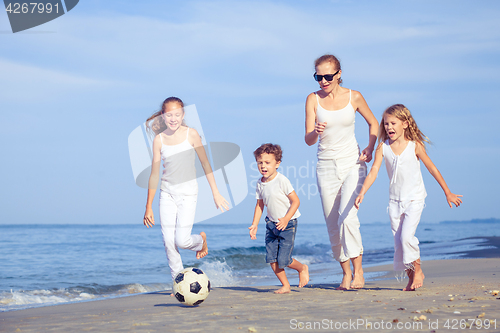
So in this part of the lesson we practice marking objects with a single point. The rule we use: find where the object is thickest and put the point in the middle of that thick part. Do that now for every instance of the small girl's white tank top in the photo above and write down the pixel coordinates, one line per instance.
(404, 173)
(337, 140)
(179, 171)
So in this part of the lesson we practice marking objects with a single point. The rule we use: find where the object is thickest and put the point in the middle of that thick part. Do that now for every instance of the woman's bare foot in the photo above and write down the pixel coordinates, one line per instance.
(358, 281)
(204, 250)
(283, 290)
(346, 282)
(303, 276)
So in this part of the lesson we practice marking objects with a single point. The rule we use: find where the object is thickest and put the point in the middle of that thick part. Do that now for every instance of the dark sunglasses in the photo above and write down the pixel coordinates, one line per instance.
(328, 77)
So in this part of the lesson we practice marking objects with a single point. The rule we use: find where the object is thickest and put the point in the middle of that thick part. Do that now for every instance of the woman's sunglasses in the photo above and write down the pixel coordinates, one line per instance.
(328, 77)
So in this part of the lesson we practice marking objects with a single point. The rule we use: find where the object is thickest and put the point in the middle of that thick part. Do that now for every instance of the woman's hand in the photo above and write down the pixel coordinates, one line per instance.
(358, 200)
(149, 219)
(366, 155)
(319, 128)
(220, 202)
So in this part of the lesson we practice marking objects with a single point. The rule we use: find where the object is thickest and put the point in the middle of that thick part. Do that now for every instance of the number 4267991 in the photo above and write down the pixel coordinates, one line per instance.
(32, 7)
(456, 324)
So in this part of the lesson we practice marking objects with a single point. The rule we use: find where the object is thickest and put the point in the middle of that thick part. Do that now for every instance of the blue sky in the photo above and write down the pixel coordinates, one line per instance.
(73, 89)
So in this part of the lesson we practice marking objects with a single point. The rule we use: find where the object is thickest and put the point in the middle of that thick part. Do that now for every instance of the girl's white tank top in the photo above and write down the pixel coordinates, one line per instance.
(404, 172)
(179, 171)
(337, 140)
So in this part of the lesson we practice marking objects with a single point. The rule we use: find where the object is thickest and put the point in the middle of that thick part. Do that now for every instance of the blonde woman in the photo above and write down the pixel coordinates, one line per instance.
(341, 169)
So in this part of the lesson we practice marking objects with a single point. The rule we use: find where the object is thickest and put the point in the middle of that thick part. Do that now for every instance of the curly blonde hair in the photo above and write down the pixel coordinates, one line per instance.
(155, 123)
(412, 132)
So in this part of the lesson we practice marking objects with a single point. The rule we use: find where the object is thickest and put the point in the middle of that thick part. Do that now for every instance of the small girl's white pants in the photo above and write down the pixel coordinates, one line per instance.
(177, 218)
(339, 182)
(405, 217)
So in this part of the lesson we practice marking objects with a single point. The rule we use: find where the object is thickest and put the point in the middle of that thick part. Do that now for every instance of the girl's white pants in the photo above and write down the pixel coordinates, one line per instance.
(405, 217)
(339, 182)
(177, 218)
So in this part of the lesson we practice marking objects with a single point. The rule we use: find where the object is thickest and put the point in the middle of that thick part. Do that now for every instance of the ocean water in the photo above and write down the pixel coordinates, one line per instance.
(43, 265)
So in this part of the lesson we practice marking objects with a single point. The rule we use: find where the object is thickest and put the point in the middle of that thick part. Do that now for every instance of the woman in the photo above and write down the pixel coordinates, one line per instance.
(341, 169)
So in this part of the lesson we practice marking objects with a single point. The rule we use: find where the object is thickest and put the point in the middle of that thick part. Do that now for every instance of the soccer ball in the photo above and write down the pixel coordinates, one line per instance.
(191, 286)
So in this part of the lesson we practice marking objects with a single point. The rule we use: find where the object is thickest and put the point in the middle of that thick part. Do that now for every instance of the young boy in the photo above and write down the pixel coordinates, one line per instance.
(276, 193)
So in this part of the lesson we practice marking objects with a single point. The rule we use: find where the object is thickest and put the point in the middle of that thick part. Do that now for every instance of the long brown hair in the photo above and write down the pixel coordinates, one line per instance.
(155, 124)
(412, 132)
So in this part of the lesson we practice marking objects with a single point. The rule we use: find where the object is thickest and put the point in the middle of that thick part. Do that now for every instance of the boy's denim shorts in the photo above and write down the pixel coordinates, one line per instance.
(279, 243)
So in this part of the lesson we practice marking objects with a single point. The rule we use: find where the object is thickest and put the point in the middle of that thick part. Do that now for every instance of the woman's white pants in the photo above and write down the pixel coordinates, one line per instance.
(405, 217)
(339, 182)
(177, 218)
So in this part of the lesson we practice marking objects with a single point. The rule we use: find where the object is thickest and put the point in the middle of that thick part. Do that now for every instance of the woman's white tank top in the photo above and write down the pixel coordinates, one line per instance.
(338, 140)
(179, 171)
(404, 173)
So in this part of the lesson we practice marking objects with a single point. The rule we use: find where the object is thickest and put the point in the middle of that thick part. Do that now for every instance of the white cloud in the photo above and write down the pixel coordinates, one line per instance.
(277, 39)
(20, 82)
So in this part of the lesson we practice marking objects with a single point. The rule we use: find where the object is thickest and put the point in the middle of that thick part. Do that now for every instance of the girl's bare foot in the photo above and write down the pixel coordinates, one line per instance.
(358, 281)
(346, 282)
(410, 280)
(204, 250)
(283, 290)
(418, 280)
(303, 276)
(416, 277)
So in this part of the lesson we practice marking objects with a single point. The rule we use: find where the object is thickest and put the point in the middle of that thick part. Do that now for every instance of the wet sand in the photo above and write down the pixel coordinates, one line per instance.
(455, 292)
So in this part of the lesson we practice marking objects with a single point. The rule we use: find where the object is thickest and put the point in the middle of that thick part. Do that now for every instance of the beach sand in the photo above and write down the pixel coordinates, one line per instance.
(456, 291)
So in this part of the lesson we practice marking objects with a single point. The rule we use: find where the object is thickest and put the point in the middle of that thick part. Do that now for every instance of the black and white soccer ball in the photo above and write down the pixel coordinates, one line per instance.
(191, 286)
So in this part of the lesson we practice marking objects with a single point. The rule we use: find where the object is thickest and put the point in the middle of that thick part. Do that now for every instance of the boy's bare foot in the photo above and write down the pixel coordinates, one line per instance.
(204, 250)
(283, 290)
(303, 276)
(358, 281)
(346, 282)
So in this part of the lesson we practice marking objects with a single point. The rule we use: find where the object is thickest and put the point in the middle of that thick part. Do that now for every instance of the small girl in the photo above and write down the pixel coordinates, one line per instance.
(402, 146)
(176, 144)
